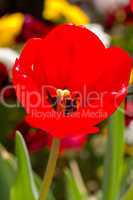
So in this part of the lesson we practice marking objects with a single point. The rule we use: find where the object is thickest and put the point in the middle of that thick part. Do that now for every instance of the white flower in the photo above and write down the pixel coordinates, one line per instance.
(105, 6)
(99, 31)
(8, 57)
(129, 134)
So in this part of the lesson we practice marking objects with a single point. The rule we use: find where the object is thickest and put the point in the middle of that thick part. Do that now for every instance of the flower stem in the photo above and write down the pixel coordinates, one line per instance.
(50, 169)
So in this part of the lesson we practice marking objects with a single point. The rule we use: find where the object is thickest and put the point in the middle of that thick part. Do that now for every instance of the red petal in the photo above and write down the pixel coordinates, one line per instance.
(113, 82)
(27, 91)
(63, 126)
(68, 54)
(117, 67)
(30, 62)
(28, 76)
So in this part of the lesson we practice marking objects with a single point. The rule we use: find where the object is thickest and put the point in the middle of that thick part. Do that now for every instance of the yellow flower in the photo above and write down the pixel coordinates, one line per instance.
(57, 9)
(131, 78)
(129, 150)
(10, 27)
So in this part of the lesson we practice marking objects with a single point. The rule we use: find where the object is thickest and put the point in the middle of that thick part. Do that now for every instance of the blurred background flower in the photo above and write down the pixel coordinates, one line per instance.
(37, 140)
(33, 27)
(63, 10)
(108, 6)
(131, 2)
(10, 27)
(8, 57)
(99, 31)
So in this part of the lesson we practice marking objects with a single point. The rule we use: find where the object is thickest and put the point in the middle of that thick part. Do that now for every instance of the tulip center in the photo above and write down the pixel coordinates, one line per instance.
(64, 102)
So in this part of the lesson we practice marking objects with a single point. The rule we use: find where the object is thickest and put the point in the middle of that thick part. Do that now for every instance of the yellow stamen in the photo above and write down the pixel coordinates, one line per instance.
(62, 93)
(59, 92)
(66, 93)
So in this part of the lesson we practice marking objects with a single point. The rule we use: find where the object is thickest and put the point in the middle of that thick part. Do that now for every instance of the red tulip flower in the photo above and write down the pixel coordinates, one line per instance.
(69, 82)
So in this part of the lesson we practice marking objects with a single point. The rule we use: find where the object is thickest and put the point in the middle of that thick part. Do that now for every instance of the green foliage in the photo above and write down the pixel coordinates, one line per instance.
(129, 194)
(7, 173)
(24, 187)
(125, 40)
(73, 192)
(114, 157)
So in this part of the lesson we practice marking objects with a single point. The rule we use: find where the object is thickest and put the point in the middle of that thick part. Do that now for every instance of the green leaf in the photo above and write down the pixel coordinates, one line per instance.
(73, 192)
(9, 117)
(50, 196)
(129, 194)
(24, 187)
(127, 171)
(114, 157)
(7, 173)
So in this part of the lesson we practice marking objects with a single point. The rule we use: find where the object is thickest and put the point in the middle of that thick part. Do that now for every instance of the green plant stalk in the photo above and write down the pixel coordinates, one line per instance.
(114, 156)
(78, 179)
(50, 169)
(129, 194)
